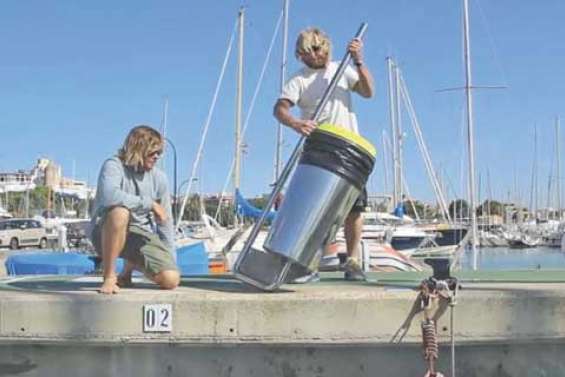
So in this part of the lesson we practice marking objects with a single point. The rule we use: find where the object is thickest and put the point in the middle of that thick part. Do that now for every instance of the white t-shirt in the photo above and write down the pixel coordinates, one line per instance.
(306, 87)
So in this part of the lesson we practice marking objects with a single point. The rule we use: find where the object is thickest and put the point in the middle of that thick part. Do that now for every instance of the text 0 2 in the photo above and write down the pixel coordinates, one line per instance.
(157, 318)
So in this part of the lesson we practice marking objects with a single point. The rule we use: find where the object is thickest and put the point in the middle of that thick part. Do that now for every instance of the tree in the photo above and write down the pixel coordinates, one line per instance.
(459, 209)
(491, 207)
(418, 209)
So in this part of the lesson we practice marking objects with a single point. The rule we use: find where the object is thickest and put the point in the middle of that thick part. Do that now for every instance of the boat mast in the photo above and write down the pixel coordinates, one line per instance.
(392, 111)
(558, 167)
(164, 128)
(164, 116)
(399, 137)
(470, 131)
(239, 89)
(280, 140)
(534, 184)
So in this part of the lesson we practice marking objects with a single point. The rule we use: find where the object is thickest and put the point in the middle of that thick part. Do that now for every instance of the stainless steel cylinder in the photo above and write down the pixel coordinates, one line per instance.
(315, 205)
(332, 171)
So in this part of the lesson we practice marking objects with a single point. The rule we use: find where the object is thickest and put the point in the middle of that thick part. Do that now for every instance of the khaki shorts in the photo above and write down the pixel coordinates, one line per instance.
(361, 202)
(143, 248)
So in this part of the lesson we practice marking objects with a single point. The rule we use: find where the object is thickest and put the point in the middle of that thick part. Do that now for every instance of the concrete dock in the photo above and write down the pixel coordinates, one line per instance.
(503, 325)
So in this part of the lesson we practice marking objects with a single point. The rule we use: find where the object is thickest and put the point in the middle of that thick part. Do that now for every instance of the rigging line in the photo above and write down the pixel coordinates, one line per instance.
(261, 76)
(450, 187)
(207, 123)
(492, 42)
(550, 180)
(253, 100)
(386, 147)
(409, 196)
(463, 184)
(432, 174)
(533, 184)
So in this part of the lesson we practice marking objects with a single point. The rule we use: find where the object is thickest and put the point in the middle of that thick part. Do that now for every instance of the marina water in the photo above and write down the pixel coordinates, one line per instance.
(504, 258)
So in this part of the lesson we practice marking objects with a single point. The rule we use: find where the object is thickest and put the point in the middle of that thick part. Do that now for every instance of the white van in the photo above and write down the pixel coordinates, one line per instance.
(16, 233)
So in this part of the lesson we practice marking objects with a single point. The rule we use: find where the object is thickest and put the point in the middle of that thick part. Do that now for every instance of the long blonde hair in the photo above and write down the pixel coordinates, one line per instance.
(141, 142)
(310, 39)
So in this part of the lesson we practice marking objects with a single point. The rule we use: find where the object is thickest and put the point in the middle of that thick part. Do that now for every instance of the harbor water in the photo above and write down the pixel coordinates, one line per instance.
(504, 258)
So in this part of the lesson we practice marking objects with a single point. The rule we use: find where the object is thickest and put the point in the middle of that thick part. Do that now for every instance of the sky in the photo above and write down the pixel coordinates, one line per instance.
(75, 76)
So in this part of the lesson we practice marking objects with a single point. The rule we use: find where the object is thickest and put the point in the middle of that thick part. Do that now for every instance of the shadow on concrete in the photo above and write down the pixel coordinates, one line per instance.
(49, 286)
(224, 283)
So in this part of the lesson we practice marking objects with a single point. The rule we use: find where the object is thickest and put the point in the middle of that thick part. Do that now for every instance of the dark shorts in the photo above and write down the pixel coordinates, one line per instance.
(361, 203)
(143, 248)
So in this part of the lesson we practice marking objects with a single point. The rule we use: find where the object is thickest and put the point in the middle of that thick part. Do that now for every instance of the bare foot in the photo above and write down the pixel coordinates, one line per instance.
(124, 281)
(109, 286)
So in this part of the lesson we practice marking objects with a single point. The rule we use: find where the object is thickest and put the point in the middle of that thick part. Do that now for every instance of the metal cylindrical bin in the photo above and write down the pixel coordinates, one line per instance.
(331, 173)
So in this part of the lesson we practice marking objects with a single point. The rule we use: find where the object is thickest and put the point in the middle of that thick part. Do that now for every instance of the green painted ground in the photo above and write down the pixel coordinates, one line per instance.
(407, 279)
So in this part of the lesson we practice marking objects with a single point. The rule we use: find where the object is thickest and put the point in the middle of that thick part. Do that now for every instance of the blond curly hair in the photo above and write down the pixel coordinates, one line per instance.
(139, 144)
(312, 39)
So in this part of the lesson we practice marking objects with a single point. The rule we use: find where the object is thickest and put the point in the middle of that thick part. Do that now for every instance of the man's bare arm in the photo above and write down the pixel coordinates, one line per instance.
(283, 115)
(365, 84)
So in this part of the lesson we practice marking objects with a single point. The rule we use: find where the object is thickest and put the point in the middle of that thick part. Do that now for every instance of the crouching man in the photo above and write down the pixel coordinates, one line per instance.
(132, 214)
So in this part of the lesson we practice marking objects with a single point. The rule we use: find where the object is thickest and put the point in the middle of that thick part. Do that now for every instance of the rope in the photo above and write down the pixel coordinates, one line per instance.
(452, 303)
(429, 335)
(207, 125)
(432, 290)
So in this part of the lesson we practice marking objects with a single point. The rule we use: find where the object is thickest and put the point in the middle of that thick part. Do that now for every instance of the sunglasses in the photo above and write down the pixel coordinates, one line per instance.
(155, 154)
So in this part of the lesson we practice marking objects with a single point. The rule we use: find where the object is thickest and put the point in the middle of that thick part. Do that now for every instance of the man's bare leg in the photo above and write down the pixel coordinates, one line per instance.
(353, 228)
(113, 237)
(124, 279)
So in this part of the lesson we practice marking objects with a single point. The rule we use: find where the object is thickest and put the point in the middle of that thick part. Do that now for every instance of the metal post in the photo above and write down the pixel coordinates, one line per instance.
(175, 193)
(239, 91)
(470, 131)
(399, 136)
(392, 112)
(557, 145)
(278, 155)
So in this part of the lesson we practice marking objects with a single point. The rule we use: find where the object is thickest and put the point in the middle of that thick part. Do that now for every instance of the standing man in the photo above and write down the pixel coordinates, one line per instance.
(132, 214)
(305, 89)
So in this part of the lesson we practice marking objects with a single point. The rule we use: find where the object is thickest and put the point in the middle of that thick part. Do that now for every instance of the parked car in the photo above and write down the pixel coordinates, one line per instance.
(16, 233)
(77, 233)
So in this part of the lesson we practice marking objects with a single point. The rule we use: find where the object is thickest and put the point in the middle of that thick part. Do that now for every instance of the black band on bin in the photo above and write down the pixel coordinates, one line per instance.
(339, 156)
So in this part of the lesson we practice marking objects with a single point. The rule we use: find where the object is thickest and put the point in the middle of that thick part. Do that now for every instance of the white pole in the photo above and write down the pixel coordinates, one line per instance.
(280, 140)
(385, 161)
(392, 112)
(557, 147)
(239, 91)
(164, 128)
(399, 136)
(470, 132)
(164, 116)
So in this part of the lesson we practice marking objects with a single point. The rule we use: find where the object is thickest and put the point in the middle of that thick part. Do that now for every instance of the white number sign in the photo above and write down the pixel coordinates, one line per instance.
(157, 318)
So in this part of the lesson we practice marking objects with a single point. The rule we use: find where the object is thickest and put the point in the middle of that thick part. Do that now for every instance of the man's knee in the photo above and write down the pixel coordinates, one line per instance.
(168, 279)
(117, 218)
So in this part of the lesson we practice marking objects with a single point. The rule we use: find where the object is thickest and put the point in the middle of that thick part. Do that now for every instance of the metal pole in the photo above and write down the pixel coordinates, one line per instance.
(470, 132)
(398, 141)
(164, 116)
(278, 156)
(239, 96)
(164, 126)
(557, 144)
(297, 152)
(175, 193)
(392, 112)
